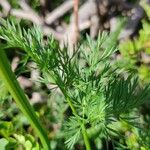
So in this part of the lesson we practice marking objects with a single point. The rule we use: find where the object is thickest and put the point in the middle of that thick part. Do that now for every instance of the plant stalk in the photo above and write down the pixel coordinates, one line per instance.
(85, 137)
(84, 132)
(21, 99)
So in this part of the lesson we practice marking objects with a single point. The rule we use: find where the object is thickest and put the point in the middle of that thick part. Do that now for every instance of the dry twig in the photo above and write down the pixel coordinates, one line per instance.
(76, 17)
(59, 12)
(6, 7)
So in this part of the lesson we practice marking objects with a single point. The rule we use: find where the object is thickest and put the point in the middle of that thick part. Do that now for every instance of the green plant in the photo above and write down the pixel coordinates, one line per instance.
(96, 93)
(11, 83)
(135, 52)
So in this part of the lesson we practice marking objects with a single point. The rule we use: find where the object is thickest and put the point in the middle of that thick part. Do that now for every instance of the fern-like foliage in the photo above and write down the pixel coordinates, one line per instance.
(95, 92)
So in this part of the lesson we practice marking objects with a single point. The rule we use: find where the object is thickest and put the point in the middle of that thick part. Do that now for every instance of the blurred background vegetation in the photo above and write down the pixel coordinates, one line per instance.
(57, 17)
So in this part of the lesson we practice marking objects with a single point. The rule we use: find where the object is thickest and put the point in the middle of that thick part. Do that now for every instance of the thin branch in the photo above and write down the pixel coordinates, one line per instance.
(23, 4)
(84, 25)
(76, 18)
(6, 6)
(27, 15)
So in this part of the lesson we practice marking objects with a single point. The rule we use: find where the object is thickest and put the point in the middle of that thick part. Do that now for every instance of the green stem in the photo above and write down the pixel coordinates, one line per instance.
(22, 101)
(84, 132)
(85, 137)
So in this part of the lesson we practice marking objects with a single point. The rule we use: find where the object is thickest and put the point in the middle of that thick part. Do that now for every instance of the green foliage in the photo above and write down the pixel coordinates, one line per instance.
(26, 142)
(7, 144)
(21, 99)
(73, 131)
(3, 91)
(11, 140)
(137, 51)
(135, 138)
(94, 90)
